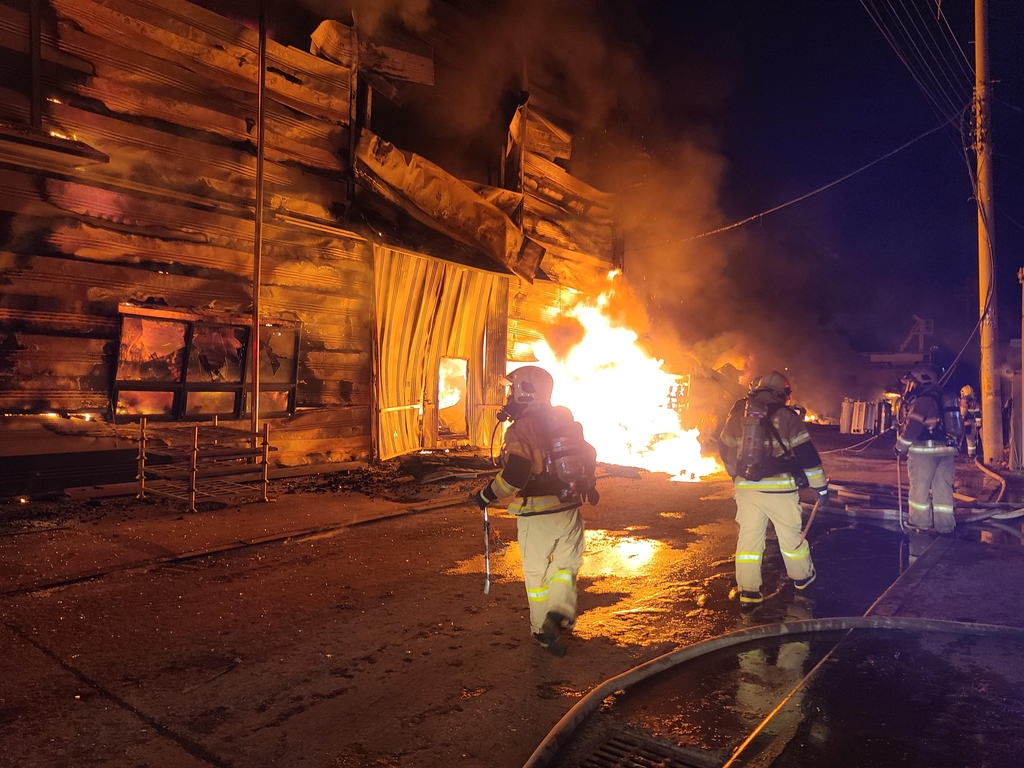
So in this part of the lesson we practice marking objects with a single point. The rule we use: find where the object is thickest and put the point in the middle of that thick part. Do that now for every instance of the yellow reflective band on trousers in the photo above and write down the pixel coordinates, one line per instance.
(942, 508)
(563, 576)
(799, 553)
(923, 507)
(748, 557)
(536, 595)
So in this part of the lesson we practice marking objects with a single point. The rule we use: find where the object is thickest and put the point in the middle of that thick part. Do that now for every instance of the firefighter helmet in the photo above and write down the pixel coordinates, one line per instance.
(530, 384)
(922, 375)
(775, 383)
(967, 391)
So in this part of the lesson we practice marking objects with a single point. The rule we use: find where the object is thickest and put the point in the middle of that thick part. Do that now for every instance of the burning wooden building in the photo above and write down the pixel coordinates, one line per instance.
(158, 204)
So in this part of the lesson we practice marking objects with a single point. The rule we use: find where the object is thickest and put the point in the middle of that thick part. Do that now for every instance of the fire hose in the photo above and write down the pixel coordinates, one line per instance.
(810, 520)
(560, 734)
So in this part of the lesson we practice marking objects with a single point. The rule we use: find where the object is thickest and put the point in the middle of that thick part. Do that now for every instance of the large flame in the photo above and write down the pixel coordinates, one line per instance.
(621, 397)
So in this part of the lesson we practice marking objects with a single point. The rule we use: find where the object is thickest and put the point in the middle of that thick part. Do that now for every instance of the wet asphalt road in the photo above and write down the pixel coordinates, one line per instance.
(864, 698)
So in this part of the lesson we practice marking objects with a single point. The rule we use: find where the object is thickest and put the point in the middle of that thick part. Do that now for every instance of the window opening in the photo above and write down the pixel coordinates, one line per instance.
(451, 398)
(172, 365)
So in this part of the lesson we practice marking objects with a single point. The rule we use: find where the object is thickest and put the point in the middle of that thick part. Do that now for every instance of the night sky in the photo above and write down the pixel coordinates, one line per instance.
(806, 92)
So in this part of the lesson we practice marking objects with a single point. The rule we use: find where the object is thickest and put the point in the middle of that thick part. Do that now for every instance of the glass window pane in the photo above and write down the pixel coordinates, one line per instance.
(151, 350)
(273, 403)
(133, 403)
(217, 354)
(210, 403)
(277, 355)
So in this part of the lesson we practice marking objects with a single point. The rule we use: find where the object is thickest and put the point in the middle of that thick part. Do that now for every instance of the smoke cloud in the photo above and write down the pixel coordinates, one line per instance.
(646, 126)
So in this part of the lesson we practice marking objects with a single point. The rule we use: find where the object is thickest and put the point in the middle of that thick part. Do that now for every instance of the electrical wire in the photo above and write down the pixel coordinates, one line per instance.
(801, 197)
(910, 47)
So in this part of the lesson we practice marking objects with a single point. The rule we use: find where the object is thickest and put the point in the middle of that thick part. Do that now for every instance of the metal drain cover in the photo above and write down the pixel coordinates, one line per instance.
(633, 750)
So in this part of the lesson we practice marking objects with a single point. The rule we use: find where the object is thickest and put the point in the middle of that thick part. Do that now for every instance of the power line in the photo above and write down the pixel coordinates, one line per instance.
(802, 197)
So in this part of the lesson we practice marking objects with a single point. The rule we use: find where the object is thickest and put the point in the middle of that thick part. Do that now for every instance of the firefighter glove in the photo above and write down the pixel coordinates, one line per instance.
(896, 450)
(822, 494)
(484, 497)
(591, 496)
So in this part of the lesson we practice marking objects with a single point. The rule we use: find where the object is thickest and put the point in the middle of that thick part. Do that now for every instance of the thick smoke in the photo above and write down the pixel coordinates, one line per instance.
(738, 298)
(371, 15)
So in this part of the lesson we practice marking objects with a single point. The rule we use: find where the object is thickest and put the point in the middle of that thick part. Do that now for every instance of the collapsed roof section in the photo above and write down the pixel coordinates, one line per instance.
(435, 197)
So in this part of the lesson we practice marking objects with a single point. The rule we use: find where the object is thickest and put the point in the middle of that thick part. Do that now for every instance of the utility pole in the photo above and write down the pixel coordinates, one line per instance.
(257, 254)
(991, 385)
(1017, 444)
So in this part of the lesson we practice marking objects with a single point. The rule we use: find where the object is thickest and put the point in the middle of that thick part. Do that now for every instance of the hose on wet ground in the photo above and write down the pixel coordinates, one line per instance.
(880, 501)
(559, 735)
(994, 475)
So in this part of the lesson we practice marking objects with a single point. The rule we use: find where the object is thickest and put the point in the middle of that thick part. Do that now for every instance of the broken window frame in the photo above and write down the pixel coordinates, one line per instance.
(183, 387)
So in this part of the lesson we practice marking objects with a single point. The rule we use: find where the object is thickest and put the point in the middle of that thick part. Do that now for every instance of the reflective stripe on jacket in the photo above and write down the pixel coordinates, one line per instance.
(528, 437)
(920, 434)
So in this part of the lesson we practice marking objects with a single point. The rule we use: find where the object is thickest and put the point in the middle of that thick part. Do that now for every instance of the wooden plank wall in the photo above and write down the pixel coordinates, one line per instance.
(167, 90)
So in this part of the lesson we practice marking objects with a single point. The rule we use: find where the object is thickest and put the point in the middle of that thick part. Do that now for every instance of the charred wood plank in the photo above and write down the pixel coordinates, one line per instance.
(160, 160)
(338, 43)
(213, 45)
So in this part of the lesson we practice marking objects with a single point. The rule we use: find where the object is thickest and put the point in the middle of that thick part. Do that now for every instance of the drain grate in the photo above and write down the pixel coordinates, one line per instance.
(622, 750)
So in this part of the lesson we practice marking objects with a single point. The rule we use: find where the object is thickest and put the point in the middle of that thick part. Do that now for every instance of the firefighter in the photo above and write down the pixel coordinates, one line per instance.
(767, 486)
(546, 506)
(932, 452)
(970, 412)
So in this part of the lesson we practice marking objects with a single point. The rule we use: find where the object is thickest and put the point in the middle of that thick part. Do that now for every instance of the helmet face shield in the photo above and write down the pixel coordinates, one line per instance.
(525, 386)
(531, 384)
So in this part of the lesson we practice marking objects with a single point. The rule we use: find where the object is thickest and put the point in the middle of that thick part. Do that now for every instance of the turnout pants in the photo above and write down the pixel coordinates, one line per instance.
(552, 550)
(753, 511)
(931, 490)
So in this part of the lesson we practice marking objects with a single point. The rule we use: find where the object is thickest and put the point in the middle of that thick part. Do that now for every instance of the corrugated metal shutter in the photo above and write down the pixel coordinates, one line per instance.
(427, 309)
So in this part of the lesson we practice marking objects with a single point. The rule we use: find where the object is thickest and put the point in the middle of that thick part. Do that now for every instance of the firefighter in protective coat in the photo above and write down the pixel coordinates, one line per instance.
(932, 459)
(541, 441)
(767, 488)
(970, 413)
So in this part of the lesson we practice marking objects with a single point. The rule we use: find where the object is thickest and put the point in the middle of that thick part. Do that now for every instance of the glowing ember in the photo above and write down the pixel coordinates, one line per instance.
(621, 397)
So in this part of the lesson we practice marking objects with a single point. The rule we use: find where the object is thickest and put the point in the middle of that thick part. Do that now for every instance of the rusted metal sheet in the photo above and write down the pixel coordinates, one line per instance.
(439, 200)
(545, 138)
(163, 160)
(427, 309)
(217, 47)
(532, 310)
(563, 210)
(32, 367)
(338, 43)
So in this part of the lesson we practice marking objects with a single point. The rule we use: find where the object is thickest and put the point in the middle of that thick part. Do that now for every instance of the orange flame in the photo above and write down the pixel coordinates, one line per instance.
(621, 396)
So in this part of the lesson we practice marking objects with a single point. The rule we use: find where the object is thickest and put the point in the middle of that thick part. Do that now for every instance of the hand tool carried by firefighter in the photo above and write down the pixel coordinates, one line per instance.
(487, 553)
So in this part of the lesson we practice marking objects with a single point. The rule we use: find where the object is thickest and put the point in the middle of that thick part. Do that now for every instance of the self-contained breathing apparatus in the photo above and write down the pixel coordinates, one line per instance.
(923, 381)
(569, 457)
(569, 460)
(755, 459)
(949, 428)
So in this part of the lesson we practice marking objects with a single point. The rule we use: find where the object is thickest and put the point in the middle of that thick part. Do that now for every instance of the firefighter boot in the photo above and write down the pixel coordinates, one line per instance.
(750, 599)
(550, 635)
